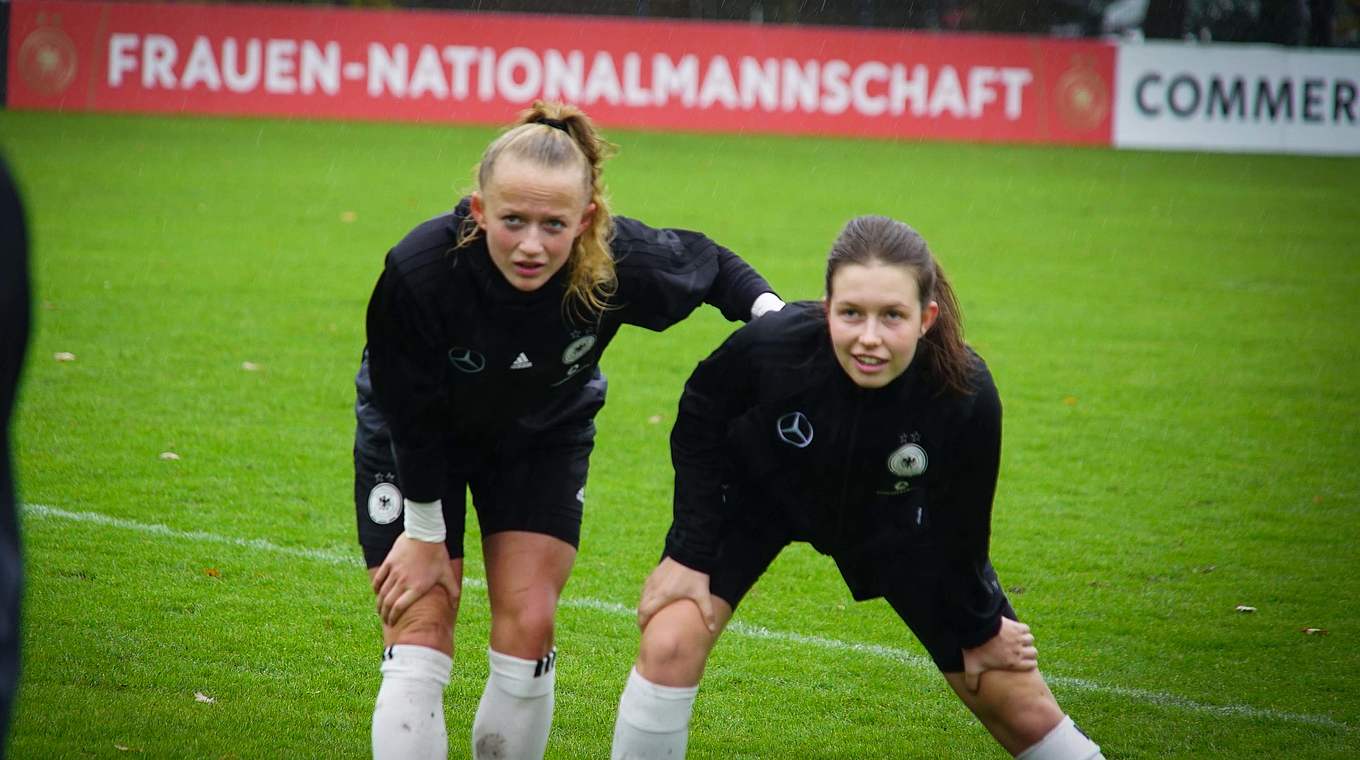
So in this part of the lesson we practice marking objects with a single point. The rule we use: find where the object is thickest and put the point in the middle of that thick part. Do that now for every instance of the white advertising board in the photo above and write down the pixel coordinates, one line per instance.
(1237, 98)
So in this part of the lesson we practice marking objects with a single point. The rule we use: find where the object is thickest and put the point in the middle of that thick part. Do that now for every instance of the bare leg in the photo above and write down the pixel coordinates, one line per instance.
(429, 621)
(676, 643)
(1015, 706)
(408, 716)
(525, 575)
(655, 709)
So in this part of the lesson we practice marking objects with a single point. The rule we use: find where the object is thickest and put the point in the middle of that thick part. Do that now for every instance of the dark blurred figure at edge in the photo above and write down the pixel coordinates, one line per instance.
(14, 324)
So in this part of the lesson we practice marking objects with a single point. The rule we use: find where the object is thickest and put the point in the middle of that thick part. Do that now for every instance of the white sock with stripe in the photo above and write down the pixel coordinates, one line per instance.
(408, 717)
(1064, 742)
(653, 720)
(516, 710)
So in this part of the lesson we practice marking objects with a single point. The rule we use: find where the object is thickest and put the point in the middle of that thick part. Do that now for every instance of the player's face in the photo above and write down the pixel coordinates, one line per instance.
(876, 319)
(531, 216)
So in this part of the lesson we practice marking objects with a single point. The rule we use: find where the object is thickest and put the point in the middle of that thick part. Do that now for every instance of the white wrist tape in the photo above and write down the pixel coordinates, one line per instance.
(766, 302)
(425, 521)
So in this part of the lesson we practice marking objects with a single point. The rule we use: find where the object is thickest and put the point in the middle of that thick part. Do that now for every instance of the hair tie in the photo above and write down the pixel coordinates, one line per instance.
(554, 123)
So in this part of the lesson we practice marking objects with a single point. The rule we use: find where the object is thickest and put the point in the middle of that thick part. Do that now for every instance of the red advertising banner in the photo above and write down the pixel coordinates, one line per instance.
(481, 67)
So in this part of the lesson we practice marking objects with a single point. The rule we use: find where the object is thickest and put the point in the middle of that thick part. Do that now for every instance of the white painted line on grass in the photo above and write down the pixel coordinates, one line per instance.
(320, 555)
(747, 630)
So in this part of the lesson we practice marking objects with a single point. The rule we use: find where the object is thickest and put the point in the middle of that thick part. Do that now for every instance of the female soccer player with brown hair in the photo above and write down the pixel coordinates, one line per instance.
(863, 425)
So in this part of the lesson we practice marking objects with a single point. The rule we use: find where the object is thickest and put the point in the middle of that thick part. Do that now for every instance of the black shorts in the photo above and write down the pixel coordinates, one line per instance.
(537, 487)
(747, 550)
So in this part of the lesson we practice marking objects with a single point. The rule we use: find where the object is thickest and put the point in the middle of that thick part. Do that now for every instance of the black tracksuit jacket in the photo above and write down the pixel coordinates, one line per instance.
(895, 483)
(458, 359)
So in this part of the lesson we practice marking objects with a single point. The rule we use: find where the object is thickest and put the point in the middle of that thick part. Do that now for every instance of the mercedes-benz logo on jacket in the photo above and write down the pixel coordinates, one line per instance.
(795, 429)
(466, 360)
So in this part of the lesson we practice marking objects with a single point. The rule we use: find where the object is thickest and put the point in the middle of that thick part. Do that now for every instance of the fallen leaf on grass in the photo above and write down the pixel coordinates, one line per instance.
(64, 356)
(1070, 400)
(201, 697)
(348, 217)
(169, 456)
(1245, 609)
(1315, 631)
(212, 572)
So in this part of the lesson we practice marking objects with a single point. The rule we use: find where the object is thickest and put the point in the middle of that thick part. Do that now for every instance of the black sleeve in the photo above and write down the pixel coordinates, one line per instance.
(664, 274)
(973, 598)
(15, 290)
(407, 371)
(15, 322)
(719, 390)
(737, 284)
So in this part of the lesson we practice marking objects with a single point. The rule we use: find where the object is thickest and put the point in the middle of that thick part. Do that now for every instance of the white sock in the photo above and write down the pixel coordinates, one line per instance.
(1064, 742)
(516, 709)
(653, 720)
(408, 718)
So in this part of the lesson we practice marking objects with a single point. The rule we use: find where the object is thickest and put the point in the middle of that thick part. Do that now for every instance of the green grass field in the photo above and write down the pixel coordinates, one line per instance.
(1174, 336)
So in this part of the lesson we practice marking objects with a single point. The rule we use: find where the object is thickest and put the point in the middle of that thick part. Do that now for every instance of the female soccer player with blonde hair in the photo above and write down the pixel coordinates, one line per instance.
(481, 373)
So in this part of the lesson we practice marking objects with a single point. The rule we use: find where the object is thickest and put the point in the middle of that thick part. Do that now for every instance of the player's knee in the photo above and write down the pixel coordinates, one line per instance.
(1028, 712)
(529, 626)
(428, 621)
(1031, 720)
(671, 653)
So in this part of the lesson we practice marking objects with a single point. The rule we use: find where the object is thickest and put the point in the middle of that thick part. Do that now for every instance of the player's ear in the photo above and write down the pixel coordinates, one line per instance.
(478, 210)
(586, 219)
(928, 316)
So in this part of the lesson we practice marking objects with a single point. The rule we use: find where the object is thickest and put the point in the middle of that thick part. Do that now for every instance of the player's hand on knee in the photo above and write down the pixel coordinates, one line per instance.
(671, 582)
(1012, 648)
(410, 570)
